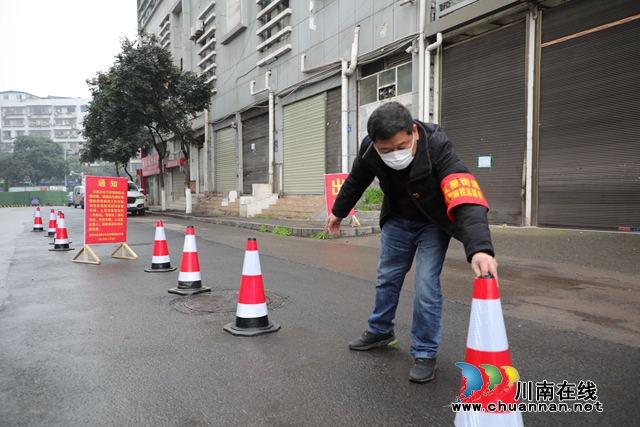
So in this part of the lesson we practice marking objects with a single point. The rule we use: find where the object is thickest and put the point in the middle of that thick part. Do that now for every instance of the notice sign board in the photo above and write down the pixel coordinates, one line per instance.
(332, 184)
(105, 211)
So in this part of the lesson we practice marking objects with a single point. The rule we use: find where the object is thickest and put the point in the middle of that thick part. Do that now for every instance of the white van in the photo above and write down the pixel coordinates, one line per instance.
(135, 200)
(78, 196)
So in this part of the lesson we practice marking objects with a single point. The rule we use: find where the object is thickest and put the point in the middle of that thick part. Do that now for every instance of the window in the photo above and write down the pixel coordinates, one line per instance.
(5, 96)
(386, 84)
(6, 134)
(83, 108)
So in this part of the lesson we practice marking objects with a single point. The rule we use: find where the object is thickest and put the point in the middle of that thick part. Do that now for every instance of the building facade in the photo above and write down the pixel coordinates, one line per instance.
(538, 97)
(57, 118)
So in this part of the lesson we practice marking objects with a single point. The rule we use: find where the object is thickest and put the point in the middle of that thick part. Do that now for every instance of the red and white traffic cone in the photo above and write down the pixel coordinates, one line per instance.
(160, 262)
(37, 221)
(189, 279)
(61, 242)
(487, 345)
(252, 312)
(52, 224)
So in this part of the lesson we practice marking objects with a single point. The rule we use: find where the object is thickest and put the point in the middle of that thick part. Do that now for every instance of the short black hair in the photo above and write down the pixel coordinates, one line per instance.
(389, 119)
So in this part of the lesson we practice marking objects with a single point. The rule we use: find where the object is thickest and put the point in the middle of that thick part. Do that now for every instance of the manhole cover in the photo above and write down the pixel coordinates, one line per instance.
(219, 302)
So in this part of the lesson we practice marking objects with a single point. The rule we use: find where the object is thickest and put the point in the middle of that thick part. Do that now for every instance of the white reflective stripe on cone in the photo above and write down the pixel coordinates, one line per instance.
(251, 266)
(486, 327)
(189, 244)
(160, 259)
(160, 234)
(185, 276)
(250, 311)
(488, 419)
(61, 241)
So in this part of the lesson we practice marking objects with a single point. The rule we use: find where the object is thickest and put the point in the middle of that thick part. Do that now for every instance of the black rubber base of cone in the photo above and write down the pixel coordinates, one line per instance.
(62, 249)
(160, 269)
(37, 229)
(50, 235)
(192, 291)
(250, 332)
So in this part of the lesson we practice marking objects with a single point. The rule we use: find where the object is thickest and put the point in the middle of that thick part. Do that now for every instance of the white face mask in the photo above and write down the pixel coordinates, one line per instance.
(399, 159)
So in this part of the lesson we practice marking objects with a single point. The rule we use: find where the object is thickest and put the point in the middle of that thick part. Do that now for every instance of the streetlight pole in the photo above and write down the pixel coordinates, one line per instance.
(66, 143)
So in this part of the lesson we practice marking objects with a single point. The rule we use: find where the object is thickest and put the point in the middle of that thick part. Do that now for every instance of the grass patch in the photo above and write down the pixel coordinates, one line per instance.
(321, 236)
(281, 231)
(373, 196)
(263, 228)
(264, 216)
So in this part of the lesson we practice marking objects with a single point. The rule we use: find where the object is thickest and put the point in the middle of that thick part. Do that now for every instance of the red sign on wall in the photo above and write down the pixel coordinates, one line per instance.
(151, 165)
(332, 184)
(105, 210)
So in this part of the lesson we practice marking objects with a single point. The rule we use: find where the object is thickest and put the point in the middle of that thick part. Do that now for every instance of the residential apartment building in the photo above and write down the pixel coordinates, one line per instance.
(539, 97)
(53, 117)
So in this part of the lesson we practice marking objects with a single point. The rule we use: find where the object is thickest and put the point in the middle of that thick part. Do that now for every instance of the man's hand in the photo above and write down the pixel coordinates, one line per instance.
(332, 225)
(484, 264)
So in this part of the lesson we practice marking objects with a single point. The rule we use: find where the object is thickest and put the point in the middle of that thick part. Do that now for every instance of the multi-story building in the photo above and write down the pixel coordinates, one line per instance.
(539, 97)
(53, 117)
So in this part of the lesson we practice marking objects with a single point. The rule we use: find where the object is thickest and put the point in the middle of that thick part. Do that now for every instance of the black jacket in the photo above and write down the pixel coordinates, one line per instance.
(433, 161)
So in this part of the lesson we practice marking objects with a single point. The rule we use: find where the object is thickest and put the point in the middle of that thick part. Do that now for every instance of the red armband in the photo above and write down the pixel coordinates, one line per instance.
(459, 189)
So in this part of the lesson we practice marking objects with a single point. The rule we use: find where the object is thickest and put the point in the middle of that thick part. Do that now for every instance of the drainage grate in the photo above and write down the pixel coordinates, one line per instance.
(219, 302)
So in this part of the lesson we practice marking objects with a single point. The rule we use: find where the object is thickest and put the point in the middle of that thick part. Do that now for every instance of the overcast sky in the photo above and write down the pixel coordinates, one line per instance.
(50, 47)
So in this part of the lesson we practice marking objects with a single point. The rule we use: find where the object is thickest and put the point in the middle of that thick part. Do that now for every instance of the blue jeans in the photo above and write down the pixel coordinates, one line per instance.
(400, 239)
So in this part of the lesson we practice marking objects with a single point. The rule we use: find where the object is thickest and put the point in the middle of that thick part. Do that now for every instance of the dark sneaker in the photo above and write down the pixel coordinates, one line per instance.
(423, 370)
(369, 340)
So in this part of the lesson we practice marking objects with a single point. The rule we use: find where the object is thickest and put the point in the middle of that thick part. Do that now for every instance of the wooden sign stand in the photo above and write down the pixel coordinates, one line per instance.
(125, 248)
(87, 250)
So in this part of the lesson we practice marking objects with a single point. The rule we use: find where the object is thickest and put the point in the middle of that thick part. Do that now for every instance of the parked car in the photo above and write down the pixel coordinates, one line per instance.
(70, 198)
(78, 196)
(135, 200)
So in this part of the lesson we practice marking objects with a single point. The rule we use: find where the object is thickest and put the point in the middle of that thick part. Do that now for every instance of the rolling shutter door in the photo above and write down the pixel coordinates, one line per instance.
(334, 131)
(255, 152)
(177, 183)
(304, 146)
(483, 113)
(226, 160)
(589, 151)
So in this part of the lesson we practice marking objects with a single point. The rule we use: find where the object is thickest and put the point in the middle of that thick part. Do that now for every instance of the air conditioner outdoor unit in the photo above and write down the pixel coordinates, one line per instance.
(197, 30)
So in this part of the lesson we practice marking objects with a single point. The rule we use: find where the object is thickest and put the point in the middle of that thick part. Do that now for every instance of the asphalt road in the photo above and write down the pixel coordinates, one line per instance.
(107, 345)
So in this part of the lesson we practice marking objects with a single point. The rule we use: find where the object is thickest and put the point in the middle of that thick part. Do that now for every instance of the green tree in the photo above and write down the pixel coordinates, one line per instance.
(36, 158)
(143, 101)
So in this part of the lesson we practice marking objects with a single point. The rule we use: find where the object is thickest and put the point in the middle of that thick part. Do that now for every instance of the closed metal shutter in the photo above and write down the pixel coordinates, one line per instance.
(177, 183)
(589, 151)
(483, 111)
(255, 152)
(304, 146)
(334, 131)
(226, 160)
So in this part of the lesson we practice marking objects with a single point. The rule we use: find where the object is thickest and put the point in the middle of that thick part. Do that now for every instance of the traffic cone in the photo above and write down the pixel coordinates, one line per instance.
(160, 262)
(52, 224)
(189, 279)
(61, 242)
(488, 349)
(251, 315)
(37, 221)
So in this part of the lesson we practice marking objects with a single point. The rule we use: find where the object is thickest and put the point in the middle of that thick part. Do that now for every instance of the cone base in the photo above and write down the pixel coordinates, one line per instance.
(62, 249)
(161, 268)
(37, 229)
(50, 235)
(193, 291)
(250, 332)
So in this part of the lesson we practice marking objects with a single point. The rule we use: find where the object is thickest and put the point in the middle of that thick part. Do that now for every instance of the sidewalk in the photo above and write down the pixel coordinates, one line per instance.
(609, 251)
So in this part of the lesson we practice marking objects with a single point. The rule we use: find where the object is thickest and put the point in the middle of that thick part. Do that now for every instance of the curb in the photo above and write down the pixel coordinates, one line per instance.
(257, 226)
